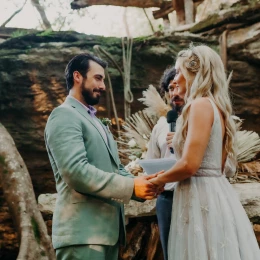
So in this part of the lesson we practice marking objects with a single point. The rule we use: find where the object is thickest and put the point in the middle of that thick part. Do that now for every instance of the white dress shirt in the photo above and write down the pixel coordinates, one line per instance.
(157, 147)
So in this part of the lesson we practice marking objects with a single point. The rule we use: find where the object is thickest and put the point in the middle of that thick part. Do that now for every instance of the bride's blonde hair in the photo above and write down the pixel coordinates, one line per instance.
(205, 77)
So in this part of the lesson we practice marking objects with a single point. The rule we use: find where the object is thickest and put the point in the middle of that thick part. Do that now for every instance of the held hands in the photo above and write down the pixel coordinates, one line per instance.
(145, 189)
(156, 181)
(169, 138)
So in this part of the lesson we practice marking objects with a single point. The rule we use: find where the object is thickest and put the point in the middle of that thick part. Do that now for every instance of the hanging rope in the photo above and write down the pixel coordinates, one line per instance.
(98, 50)
(127, 57)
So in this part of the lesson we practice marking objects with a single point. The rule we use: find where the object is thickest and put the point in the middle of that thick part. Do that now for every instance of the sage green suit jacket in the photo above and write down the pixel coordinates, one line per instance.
(91, 183)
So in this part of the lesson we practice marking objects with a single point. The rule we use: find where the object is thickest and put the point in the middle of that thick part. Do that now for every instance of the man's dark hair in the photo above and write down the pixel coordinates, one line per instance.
(168, 75)
(80, 63)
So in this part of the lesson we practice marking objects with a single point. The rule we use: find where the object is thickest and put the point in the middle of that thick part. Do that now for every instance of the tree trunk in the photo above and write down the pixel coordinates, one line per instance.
(41, 11)
(35, 243)
(77, 4)
(164, 10)
(143, 240)
(13, 15)
(180, 11)
(166, 7)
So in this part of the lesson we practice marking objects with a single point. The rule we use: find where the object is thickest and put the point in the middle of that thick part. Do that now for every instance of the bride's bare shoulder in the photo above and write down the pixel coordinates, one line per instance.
(201, 107)
(201, 103)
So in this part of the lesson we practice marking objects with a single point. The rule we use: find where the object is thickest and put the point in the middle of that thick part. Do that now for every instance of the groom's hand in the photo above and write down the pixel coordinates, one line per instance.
(145, 189)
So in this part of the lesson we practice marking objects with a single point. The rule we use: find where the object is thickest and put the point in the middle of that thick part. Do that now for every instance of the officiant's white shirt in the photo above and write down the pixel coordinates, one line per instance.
(157, 146)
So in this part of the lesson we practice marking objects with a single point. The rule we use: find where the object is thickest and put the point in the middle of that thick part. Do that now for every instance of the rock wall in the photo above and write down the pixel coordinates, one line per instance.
(32, 84)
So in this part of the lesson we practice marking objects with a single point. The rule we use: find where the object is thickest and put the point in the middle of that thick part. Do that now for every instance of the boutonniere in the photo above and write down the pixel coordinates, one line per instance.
(105, 121)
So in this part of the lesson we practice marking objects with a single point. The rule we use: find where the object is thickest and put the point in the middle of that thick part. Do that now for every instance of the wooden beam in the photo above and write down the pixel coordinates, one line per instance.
(77, 4)
(164, 10)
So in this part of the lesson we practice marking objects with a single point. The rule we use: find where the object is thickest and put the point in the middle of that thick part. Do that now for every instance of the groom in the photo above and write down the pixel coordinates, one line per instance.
(92, 185)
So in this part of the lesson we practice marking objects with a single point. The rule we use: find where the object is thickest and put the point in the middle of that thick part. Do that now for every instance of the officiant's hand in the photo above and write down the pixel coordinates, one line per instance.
(169, 138)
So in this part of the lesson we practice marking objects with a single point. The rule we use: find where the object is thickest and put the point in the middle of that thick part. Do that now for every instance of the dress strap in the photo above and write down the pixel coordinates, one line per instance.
(215, 109)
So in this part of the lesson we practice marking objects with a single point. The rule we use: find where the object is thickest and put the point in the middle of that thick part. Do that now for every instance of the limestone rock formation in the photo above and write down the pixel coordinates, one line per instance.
(249, 194)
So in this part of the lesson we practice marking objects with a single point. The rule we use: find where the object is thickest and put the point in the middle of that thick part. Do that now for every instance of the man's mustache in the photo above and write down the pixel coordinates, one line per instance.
(177, 98)
(98, 90)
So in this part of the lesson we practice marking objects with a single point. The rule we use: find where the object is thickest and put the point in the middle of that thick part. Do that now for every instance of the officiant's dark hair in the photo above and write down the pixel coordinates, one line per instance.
(167, 76)
(80, 63)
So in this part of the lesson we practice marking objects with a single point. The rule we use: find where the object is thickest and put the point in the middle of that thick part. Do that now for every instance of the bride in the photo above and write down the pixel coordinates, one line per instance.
(208, 220)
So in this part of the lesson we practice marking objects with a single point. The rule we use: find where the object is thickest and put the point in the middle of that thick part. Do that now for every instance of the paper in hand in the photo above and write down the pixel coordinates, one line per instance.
(152, 166)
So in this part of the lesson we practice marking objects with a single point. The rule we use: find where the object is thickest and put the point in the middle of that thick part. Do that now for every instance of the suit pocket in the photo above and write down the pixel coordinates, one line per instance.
(77, 197)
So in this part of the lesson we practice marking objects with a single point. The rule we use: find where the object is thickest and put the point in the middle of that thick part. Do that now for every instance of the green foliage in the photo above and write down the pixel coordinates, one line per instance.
(142, 38)
(36, 230)
(2, 160)
(3, 163)
(47, 32)
(18, 33)
(160, 27)
(138, 154)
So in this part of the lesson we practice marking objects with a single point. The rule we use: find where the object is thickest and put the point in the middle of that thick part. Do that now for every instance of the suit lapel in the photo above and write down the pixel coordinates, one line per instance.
(110, 138)
(75, 104)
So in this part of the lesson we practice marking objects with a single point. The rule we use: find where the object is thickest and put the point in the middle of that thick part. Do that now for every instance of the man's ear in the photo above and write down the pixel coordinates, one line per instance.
(77, 77)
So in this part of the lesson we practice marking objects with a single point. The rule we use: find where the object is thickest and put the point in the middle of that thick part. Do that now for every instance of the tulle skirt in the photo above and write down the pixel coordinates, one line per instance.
(209, 223)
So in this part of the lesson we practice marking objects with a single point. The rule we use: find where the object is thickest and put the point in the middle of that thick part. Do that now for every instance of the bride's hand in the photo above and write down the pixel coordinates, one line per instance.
(155, 180)
(154, 175)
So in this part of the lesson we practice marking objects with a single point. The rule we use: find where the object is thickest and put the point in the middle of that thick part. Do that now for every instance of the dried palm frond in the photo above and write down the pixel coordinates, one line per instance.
(238, 122)
(138, 127)
(251, 167)
(248, 143)
(156, 107)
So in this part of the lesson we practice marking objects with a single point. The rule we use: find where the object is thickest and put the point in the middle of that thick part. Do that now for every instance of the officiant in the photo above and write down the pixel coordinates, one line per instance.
(158, 148)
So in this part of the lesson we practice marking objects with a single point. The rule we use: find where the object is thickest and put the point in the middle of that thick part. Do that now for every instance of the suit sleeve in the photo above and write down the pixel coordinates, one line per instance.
(64, 140)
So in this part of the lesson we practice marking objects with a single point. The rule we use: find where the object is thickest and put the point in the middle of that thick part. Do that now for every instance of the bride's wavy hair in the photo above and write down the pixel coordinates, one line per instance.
(205, 76)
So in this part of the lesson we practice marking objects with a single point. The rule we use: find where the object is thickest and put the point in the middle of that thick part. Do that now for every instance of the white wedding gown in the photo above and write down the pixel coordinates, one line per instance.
(208, 220)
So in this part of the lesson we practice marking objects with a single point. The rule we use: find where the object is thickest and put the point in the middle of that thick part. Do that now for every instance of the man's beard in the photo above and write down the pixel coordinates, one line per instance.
(88, 95)
(178, 107)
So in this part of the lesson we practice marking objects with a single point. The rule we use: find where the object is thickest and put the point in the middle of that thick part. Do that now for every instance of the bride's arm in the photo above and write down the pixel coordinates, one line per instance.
(200, 120)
